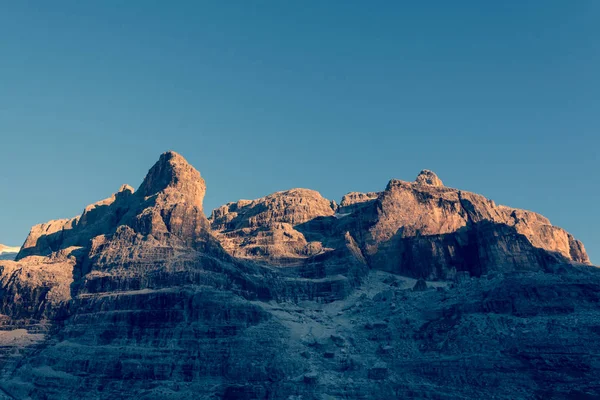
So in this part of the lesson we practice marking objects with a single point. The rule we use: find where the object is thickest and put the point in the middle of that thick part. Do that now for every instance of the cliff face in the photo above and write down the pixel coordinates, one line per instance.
(418, 229)
(432, 231)
(292, 296)
(168, 205)
(263, 229)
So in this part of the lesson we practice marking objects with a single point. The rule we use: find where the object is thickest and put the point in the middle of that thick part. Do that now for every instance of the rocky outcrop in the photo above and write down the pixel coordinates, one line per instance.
(357, 198)
(36, 289)
(264, 229)
(101, 217)
(168, 203)
(292, 296)
(427, 177)
(457, 230)
(420, 229)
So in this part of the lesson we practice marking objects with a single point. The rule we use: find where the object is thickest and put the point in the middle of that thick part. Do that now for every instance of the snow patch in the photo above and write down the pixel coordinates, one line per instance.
(8, 249)
(340, 215)
(19, 337)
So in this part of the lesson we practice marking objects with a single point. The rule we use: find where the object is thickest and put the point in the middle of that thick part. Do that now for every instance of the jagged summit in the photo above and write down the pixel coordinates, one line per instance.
(291, 296)
(297, 223)
(168, 202)
(420, 228)
(173, 175)
(427, 177)
(126, 188)
(263, 228)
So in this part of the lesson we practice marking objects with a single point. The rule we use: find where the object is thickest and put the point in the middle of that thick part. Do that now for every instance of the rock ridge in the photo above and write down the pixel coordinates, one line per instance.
(417, 291)
(427, 177)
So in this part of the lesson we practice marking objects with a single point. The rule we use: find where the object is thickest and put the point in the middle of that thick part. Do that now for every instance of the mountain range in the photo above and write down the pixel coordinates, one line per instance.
(8, 252)
(416, 291)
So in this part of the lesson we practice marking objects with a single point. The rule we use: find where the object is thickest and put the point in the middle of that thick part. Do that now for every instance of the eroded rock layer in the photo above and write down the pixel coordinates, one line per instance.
(418, 291)
(263, 229)
(419, 229)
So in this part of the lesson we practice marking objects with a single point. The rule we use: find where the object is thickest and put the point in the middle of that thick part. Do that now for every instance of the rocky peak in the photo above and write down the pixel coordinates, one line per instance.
(294, 206)
(427, 177)
(176, 178)
(357, 197)
(265, 228)
(169, 201)
(125, 189)
(149, 302)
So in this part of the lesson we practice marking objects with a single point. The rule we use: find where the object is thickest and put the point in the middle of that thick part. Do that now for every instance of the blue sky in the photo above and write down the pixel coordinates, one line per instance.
(500, 98)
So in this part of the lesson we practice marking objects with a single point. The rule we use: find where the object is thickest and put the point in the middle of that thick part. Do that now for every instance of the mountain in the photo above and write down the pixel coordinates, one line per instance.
(8, 252)
(417, 291)
(420, 229)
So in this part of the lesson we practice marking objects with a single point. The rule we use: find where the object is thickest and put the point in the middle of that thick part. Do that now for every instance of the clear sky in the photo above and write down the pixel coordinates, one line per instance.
(497, 97)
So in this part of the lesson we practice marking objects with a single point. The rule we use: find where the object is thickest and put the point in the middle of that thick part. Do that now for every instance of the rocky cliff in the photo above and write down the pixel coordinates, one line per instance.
(263, 229)
(419, 229)
(418, 291)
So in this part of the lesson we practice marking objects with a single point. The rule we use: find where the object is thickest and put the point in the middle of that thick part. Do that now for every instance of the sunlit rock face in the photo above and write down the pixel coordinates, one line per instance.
(417, 291)
(427, 177)
(420, 229)
(168, 204)
(431, 231)
(264, 229)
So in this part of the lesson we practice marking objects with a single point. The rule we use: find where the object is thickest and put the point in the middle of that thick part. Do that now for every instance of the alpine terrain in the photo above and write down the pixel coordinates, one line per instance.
(417, 291)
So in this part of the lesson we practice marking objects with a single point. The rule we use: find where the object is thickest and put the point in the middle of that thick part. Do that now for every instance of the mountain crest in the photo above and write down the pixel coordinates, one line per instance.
(173, 175)
(141, 293)
(427, 177)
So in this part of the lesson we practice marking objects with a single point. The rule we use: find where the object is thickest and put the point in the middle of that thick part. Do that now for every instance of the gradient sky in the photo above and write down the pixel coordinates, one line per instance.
(497, 97)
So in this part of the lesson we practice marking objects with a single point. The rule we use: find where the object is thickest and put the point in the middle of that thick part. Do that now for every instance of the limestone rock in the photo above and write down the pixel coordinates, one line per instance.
(291, 296)
(424, 230)
(264, 229)
(174, 179)
(353, 201)
(36, 288)
(379, 371)
(311, 378)
(168, 203)
(420, 229)
(420, 286)
(427, 177)
(357, 198)
(293, 206)
(45, 238)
